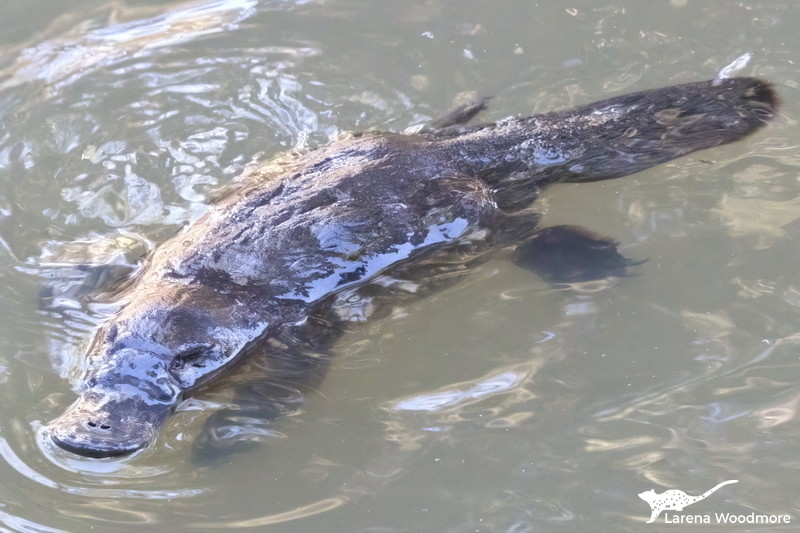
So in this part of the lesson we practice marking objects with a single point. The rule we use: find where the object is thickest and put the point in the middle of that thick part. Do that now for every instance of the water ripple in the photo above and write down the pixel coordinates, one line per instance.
(60, 61)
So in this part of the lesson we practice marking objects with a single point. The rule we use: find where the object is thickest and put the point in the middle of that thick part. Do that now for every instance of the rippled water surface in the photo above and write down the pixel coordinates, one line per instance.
(500, 405)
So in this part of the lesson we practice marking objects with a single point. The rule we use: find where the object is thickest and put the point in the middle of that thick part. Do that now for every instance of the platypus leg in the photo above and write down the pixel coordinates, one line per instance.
(68, 287)
(460, 115)
(572, 254)
(293, 362)
(258, 404)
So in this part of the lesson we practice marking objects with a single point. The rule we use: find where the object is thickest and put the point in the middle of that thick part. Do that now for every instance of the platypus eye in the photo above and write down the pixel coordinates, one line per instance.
(193, 356)
(195, 364)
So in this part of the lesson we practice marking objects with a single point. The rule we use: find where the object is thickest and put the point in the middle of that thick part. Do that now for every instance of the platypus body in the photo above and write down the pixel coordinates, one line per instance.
(342, 233)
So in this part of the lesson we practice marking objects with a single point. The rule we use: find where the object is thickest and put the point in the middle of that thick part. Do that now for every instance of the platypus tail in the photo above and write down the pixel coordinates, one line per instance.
(640, 130)
(616, 137)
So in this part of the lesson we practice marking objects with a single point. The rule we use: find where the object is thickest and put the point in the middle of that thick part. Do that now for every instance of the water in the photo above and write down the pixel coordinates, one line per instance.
(500, 405)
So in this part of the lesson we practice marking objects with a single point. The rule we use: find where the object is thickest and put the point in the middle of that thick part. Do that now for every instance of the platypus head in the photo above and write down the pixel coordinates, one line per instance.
(141, 363)
(123, 402)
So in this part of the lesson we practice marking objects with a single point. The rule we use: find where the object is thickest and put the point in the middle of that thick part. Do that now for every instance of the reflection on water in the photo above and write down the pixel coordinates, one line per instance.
(458, 396)
(303, 511)
(58, 63)
(503, 405)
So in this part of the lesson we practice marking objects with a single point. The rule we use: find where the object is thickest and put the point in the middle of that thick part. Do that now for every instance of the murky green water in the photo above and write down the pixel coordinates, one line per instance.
(501, 405)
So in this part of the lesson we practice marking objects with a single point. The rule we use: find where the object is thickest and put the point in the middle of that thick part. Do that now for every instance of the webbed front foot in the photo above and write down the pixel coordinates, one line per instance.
(572, 254)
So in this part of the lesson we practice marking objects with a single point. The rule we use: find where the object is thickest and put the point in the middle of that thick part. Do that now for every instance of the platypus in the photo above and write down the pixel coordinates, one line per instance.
(340, 234)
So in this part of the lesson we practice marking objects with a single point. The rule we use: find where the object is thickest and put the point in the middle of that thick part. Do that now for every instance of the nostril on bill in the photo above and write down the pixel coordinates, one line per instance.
(92, 437)
(101, 424)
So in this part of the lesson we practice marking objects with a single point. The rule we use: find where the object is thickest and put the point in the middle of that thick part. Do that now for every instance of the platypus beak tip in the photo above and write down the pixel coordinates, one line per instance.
(99, 425)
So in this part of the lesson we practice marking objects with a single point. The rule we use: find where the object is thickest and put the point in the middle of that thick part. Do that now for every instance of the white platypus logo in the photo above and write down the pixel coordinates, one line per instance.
(675, 500)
